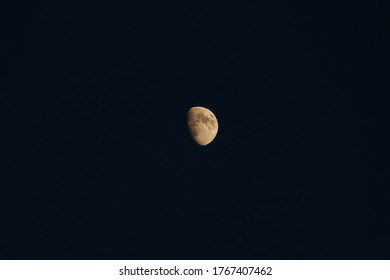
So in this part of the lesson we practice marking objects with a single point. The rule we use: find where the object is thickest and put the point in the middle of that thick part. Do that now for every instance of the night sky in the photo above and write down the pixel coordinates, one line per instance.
(106, 168)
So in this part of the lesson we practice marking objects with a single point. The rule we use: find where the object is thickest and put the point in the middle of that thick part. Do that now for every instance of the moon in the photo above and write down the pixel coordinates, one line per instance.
(202, 124)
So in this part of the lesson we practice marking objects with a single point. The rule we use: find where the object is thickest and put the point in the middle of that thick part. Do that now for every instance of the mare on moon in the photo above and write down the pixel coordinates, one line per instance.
(202, 124)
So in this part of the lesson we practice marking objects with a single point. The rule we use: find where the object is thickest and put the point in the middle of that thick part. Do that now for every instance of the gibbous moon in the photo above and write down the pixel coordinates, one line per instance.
(202, 124)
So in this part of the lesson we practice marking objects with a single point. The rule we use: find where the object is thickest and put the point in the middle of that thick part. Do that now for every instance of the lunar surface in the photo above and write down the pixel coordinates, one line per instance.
(202, 124)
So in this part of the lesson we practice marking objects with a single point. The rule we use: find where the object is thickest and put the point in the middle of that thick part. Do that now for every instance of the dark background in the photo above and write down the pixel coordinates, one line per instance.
(101, 165)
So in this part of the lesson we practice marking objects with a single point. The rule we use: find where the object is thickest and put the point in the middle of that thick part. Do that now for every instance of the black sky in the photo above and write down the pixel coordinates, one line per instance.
(106, 168)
